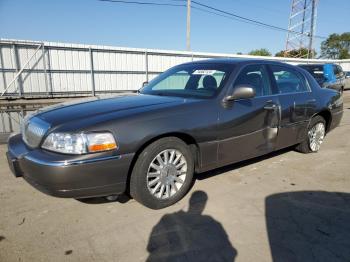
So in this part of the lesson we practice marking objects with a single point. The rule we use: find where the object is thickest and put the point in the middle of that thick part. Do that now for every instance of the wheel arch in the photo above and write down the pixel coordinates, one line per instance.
(327, 115)
(188, 139)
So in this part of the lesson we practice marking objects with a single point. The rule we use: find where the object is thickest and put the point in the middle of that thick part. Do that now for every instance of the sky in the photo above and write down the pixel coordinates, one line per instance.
(162, 27)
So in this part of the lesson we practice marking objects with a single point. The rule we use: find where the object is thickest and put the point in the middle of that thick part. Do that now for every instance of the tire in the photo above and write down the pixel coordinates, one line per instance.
(143, 174)
(306, 146)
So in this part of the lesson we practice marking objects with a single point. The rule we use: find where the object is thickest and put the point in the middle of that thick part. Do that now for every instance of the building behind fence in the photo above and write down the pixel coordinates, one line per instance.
(32, 69)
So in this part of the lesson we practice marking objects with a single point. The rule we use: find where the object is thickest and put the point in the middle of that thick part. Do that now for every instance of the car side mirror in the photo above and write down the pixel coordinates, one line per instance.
(241, 92)
(144, 83)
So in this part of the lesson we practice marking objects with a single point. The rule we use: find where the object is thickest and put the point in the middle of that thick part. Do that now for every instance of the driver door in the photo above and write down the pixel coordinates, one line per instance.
(248, 127)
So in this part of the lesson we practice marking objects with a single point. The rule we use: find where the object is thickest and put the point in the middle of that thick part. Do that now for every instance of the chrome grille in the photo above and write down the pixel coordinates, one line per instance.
(33, 131)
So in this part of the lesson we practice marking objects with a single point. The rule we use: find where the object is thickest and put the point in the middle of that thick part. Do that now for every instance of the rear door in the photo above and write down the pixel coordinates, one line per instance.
(297, 104)
(248, 127)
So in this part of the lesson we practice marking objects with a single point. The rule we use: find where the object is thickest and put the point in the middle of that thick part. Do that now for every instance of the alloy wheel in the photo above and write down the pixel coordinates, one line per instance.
(166, 173)
(316, 135)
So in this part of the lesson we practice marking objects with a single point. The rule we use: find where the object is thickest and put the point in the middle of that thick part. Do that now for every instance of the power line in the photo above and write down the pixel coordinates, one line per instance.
(218, 12)
(245, 19)
(226, 16)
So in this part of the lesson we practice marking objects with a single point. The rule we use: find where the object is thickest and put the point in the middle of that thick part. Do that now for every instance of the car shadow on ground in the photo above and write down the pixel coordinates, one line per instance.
(190, 236)
(309, 226)
(103, 200)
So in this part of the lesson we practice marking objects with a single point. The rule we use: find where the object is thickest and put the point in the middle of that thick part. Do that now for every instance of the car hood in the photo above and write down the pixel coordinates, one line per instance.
(91, 107)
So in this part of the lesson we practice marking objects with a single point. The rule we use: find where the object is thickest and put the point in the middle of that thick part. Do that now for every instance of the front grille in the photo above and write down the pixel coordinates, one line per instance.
(33, 131)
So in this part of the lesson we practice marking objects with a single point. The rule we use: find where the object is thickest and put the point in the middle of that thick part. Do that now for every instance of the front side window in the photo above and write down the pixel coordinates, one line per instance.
(257, 77)
(288, 80)
(191, 80)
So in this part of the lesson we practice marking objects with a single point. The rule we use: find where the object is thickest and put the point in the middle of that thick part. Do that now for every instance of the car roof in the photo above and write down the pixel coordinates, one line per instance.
(235, 61)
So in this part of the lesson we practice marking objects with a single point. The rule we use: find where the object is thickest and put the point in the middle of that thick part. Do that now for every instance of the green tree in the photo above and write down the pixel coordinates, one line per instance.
(280, 53)
(260, 52)
(336, 46)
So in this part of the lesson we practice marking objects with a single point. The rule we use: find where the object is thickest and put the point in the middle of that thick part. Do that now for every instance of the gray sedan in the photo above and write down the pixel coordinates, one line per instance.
(192, 118)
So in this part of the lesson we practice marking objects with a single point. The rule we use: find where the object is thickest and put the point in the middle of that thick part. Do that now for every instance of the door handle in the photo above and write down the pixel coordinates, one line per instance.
(270, 107)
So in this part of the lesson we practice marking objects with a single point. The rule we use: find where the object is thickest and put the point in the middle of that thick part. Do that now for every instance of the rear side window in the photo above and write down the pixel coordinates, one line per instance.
(288, 80)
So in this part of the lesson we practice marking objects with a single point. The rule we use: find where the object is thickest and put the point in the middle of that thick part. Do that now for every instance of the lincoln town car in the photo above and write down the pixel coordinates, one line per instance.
(192, 118)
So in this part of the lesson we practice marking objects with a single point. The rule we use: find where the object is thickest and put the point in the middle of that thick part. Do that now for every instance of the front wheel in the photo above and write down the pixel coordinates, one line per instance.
(314, 137)
(162, 173)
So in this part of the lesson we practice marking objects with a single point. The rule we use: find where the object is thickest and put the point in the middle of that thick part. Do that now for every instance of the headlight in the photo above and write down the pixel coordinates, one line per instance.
(79, 143)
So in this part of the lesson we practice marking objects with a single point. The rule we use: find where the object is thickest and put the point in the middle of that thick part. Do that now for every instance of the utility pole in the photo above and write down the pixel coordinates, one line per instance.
(188, 28)
(313, 10)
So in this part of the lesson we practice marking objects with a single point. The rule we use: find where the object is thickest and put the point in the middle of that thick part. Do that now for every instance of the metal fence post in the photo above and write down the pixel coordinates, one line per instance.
(146, 65)
(49, 71)
(18, 68)
(2, 66)
(45, 71)
(10, 122)
(92, 72)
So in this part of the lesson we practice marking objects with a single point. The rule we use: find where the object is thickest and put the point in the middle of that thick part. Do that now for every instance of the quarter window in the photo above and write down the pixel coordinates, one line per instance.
(288, 80)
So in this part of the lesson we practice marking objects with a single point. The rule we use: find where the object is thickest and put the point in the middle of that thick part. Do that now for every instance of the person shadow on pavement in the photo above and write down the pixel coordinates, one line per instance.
(190, 236)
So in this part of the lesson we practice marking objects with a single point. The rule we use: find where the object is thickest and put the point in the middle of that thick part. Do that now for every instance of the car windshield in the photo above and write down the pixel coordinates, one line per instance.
(190, 80)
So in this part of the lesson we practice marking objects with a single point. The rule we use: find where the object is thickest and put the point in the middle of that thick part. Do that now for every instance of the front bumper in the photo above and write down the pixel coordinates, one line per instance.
(75, 176)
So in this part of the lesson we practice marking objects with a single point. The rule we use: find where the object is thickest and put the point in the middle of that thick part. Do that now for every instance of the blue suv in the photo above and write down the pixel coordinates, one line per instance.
(327, 75)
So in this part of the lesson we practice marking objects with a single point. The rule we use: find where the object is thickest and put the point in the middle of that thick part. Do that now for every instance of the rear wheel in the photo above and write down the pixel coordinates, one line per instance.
(162, 173)
(314, 137)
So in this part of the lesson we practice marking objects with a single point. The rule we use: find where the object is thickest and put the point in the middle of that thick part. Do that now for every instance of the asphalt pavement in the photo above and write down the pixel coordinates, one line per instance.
(286, 206)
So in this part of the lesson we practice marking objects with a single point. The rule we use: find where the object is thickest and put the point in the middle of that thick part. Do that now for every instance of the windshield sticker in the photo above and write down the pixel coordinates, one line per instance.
(204, 72)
